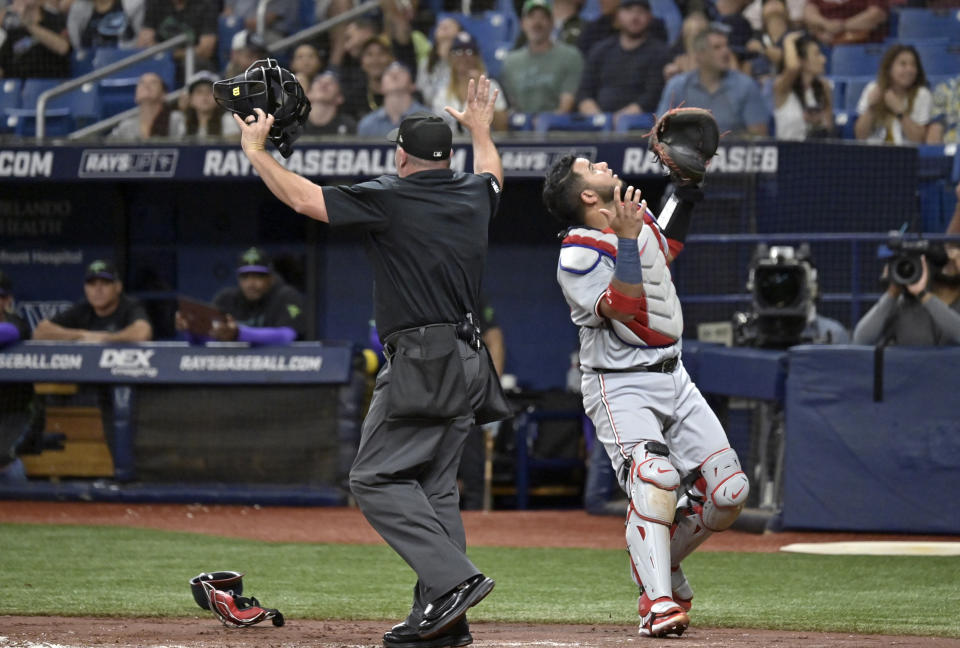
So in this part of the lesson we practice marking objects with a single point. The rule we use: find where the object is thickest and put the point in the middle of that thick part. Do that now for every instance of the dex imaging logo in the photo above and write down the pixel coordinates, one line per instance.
(134, 363)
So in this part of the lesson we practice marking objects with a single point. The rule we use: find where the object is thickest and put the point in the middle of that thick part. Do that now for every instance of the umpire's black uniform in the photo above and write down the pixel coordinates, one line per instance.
(426, 236)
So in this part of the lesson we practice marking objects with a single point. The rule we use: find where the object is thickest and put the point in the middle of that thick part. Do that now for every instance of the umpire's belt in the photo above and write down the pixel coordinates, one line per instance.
(667, 366)
(463, 331)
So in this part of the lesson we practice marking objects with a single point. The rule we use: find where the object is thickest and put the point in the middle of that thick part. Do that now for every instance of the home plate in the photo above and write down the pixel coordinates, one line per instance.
(876, 548)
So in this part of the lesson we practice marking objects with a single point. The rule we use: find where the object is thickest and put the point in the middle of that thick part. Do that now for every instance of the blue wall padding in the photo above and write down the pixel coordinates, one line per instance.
(859, 465)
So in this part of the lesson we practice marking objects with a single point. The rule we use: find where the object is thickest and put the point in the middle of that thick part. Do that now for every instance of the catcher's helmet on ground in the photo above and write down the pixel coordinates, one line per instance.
(223, 580)
(273, 89)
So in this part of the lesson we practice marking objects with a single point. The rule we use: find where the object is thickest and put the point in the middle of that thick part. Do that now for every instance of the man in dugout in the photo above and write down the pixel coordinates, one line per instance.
(260, 309)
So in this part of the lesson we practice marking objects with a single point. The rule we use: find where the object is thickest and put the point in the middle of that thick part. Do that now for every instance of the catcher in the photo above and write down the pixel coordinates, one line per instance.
(668, 449)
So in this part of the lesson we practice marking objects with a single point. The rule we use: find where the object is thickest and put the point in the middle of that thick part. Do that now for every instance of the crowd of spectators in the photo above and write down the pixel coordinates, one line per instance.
(761, 65)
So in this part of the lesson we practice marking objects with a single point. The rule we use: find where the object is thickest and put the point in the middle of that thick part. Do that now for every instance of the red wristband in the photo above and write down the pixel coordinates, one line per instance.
(624, 303)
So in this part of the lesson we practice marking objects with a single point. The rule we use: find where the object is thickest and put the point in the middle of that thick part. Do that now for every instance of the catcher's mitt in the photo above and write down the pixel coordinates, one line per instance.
(684, 140)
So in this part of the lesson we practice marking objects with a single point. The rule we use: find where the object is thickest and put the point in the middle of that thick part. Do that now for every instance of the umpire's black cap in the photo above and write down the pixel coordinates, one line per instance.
(101, 269)
(6, 285)
(424, 135)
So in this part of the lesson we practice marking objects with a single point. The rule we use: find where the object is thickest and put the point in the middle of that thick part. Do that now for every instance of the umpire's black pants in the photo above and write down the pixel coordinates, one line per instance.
(404, 480)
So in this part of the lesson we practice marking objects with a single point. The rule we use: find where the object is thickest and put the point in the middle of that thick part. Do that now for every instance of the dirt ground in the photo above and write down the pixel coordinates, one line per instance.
(498, 528)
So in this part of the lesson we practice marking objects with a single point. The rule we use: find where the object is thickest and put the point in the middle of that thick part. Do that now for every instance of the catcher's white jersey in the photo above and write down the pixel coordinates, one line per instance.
(630, 407)
(587, 260)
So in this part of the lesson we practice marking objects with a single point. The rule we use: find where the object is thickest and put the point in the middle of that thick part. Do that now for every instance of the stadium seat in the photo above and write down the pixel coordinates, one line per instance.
(839, 91)
(639, 122)
(853, 60)
(546, 122)
(23, 121)
(10, 90)
(81, 62)
(83, 104)
(844, 121)
(227, 27)
(9, 99)
(667, 11)
(917, 23)
(162, 64)
(520, 122)
(853, 88)
(117, 95)
(939, 57)
(591, 10)
(495, 31)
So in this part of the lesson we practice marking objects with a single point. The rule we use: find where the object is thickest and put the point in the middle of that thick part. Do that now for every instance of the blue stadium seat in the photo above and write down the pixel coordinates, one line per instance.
(852, 60)
(939, 58)
(520, 122)
(23, 121)
(839, 90)
(117, 95)
(81, 62)
(161, 64)
(33, 88)
(9, 99)
(591, 10)
(83, 102)
(669, 13)
(546, 122)
(853, 88)
(494, 30)
(227, 27)
(843, 121)
(10, 90)
(915, 23)
(639, 122)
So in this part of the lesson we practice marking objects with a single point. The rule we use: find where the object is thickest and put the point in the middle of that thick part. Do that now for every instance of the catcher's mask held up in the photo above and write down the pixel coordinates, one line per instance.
(273, 89)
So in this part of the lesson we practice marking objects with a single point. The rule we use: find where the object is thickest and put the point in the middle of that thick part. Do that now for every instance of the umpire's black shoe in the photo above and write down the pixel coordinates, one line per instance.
(405, 636)
(441, 615)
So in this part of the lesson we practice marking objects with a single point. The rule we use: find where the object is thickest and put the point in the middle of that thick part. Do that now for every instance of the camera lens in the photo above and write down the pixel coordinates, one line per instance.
(778, 288)
(905, 270)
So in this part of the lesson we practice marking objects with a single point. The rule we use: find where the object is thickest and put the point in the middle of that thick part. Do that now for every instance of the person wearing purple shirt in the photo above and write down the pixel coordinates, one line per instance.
(16, 399)
(261, 309)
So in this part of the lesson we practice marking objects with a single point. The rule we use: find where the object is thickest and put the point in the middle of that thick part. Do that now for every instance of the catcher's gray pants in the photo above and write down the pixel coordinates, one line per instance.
(405, 481)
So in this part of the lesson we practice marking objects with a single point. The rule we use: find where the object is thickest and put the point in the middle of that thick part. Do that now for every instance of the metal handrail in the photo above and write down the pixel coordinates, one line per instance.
(95, 75)
(262, 17)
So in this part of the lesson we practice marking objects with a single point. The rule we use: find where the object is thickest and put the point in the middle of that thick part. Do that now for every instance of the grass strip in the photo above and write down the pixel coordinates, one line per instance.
(116, 571)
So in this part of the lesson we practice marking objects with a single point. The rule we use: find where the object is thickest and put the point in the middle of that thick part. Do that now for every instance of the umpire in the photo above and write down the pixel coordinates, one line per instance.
(426, 237)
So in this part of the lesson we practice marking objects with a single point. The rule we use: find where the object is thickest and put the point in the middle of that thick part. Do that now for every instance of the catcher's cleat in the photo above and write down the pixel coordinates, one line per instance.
(682, 592)
(661, 617)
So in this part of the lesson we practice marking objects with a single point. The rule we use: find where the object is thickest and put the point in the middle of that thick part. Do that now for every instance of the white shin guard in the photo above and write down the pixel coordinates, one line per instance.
(653, 501)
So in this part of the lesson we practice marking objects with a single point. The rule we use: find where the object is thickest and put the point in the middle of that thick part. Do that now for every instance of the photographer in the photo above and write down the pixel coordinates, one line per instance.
(785, 289)
(925, 312)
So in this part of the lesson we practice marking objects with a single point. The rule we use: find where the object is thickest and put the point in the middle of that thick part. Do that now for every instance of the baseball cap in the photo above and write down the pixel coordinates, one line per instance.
(6, 285)
(631, 3)
(530, 5)
(101, 269)
(245, 39)
(423, 135)
(253, 260)
(463, 42)
(203, 76)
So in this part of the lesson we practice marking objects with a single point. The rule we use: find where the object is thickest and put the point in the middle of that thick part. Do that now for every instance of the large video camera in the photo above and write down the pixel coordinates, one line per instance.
(905, 266)
(783, 283)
